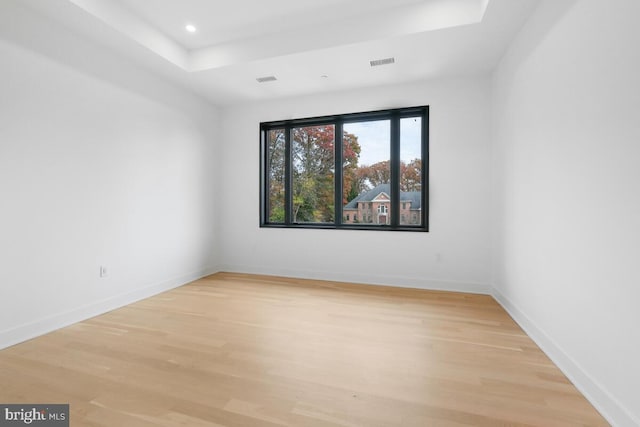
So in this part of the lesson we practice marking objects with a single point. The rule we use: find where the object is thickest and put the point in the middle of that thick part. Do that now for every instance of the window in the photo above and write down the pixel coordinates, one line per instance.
(356, 171)
(313, 173)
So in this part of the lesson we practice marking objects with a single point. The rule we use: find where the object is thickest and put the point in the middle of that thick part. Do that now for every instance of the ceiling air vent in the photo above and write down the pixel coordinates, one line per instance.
(266, 79)
(385, 61)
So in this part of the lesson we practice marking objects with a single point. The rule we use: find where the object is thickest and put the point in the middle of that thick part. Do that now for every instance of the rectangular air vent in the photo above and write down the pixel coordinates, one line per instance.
(266, 79)
(385, 61)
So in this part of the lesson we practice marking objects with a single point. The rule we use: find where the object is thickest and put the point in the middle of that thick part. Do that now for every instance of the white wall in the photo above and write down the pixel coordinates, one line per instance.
(453, 255)
(100, 163)
(567, 183)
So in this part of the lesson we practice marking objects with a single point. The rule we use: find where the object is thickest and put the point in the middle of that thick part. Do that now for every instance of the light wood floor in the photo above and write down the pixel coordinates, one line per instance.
(241, 350)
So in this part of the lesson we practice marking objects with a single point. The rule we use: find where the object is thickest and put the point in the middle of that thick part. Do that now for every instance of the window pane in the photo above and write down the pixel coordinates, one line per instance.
(366, 172)
(313, 163)
(410, 171)
(275, 175)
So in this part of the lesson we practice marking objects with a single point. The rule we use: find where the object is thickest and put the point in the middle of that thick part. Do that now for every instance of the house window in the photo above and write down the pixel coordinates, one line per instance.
(314, 169)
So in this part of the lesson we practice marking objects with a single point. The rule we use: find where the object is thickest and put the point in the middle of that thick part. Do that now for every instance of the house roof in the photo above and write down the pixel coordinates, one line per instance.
(368, 196)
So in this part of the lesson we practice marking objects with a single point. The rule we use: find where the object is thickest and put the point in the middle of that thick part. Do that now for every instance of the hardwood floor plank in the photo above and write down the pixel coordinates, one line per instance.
(245, 350)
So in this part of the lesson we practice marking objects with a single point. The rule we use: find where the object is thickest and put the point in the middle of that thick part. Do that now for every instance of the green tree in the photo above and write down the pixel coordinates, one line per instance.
(276, 169)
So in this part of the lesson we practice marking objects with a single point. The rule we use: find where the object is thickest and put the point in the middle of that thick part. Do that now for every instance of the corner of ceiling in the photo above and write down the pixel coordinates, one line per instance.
(120, 19)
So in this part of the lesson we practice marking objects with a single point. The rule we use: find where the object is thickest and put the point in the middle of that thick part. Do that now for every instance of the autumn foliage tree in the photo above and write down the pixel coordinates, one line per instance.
(313, 173)
(371, 176)
(374, 175)
(411, 175)
(313, 169)
(350, 155)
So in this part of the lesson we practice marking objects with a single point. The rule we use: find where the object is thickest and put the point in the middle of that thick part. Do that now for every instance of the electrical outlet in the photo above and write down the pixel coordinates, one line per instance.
(103, 271)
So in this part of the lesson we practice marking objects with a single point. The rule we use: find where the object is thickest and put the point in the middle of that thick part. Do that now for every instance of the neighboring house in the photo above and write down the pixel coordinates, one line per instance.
(373, 207)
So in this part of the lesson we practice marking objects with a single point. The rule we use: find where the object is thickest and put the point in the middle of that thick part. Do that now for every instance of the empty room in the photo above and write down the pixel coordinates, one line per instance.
(378, 213)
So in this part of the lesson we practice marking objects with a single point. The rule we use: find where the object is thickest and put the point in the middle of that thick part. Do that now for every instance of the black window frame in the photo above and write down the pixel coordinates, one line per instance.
(394, 115)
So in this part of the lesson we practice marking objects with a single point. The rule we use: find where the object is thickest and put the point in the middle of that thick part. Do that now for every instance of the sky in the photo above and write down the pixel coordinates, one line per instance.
(373, 138)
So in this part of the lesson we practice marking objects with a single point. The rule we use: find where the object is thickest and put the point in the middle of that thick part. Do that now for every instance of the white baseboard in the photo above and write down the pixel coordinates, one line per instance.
(398, 281)
(608, 406)
(45, 325)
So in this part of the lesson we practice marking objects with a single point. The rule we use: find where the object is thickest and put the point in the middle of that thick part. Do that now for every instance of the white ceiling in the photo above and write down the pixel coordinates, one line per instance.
(298, 41)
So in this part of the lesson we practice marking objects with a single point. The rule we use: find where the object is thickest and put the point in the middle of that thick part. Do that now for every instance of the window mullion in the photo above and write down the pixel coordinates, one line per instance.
(395, 170)
(288, 178)
(338, 173)
(264, 178)
(425, 169)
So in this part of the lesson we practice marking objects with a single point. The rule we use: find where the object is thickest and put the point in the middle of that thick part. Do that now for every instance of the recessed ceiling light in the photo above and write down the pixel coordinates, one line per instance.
(190, 28)
(324, 76)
